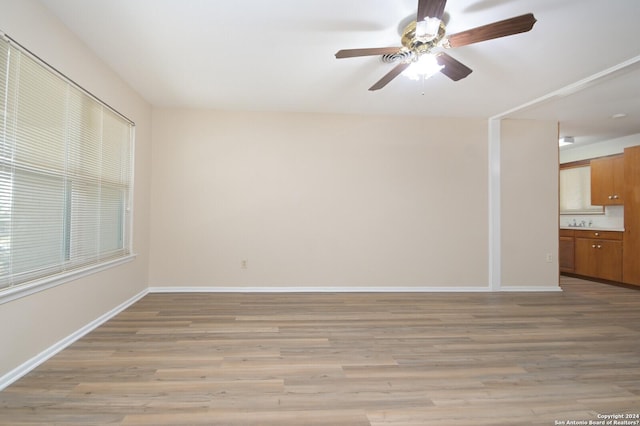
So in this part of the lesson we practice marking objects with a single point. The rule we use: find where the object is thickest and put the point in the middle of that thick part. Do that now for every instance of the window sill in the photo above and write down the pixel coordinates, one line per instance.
(23, 290)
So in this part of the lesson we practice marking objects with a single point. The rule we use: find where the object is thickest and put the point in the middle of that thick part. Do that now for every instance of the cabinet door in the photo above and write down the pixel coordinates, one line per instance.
(585, 257)
(566, 254)
(599, 258)
(631, 252)
(618, 179)
(609, 260)
(607, 181)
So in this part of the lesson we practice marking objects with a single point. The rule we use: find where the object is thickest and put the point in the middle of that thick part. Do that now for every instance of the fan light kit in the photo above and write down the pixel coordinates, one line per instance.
(428, 32)
(423, 68)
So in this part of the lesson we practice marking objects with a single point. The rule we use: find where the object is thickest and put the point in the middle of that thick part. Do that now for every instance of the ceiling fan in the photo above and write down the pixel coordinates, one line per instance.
(427, 32)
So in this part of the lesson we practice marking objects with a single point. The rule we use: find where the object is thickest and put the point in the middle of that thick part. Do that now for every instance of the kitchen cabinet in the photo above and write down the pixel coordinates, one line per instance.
(631, 255)
(567, 251)
(607, 181)
(598, 254)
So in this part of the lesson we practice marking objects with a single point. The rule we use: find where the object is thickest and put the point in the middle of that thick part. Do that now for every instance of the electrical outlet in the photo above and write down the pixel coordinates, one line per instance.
(243, 264)
(549, 258)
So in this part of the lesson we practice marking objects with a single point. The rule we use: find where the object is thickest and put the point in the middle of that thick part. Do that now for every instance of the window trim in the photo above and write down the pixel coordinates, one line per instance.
(22, 290)
(27, 288)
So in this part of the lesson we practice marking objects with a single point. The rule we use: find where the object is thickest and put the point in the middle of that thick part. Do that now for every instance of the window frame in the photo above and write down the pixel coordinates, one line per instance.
(586, 208)
(75, 271)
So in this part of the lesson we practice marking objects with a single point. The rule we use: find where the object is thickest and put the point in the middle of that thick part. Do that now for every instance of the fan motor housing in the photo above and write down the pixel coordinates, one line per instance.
(419, 47)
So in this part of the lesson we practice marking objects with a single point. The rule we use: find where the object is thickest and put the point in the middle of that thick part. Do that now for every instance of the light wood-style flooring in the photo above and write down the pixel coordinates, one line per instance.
(347, 359)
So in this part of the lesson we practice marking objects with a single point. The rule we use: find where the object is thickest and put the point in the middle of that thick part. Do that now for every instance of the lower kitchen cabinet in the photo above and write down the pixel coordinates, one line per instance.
(599, 254)
(567, 251)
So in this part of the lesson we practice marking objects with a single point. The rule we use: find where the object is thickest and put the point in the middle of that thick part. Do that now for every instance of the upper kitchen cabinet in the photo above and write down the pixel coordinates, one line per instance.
(607, 181)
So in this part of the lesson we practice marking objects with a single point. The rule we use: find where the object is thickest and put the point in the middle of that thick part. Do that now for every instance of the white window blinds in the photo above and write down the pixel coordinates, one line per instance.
(65, 173)
(575, 191)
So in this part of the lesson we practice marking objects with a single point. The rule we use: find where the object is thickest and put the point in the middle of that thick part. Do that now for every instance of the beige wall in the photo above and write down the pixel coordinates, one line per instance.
(317, 200)
(34, 323)
(529, 182)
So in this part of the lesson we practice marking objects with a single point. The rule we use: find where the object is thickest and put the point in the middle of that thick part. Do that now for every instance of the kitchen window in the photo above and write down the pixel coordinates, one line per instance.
(65, 175)
(575, 190)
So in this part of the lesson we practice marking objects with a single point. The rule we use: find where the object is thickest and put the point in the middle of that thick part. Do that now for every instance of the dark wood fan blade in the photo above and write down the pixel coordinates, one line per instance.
(519, 24)
(352, 53)
(430, 8)
(453, 68)
(396, 71)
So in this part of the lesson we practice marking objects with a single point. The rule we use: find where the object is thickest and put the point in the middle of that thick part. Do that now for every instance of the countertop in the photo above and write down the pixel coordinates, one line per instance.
(591, 228)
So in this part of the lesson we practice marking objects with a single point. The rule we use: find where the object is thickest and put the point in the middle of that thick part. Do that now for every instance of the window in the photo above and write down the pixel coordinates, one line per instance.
(575, 191)
(65, 174)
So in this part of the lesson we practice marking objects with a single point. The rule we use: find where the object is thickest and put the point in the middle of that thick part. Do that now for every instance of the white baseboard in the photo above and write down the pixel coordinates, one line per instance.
(32, 363)
(530, 288)
(323, 289)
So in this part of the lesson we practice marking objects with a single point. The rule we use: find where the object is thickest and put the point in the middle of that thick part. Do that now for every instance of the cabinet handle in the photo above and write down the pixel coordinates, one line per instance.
(597, 234)
(599, 246)
(615, 197)
(611, 197)
(593, 246)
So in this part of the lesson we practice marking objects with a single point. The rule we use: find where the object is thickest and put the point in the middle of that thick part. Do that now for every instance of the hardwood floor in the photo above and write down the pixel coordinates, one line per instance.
(347, 359)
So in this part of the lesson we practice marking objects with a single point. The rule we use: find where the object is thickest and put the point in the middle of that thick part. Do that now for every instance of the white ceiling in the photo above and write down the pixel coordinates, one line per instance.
(278, 55)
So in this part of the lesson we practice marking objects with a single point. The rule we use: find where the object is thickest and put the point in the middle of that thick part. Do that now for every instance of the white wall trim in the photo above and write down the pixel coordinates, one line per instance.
(549, 288)
(328, 289)
(573, 87)
(22, 290)
(409, 289)
(495, 206)
(32, 363)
